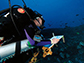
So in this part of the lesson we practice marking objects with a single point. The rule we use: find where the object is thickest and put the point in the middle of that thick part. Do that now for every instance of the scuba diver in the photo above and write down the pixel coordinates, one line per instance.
(26, 28)
(17, 23)
(14, 31)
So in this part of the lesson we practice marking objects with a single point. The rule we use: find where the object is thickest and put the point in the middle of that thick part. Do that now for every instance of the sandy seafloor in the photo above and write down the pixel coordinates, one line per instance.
(72, 51)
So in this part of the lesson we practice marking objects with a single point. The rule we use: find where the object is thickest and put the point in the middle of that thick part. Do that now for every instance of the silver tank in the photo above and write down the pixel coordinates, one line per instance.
(8, 51)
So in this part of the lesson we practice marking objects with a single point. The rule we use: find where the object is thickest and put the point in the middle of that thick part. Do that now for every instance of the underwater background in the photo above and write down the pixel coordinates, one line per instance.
(62, 17)
(57, 13)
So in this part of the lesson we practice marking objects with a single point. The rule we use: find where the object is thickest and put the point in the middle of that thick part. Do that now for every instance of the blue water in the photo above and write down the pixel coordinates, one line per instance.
(57, 13)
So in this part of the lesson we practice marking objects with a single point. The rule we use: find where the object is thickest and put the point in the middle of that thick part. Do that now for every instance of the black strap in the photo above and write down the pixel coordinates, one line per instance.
(18, 48)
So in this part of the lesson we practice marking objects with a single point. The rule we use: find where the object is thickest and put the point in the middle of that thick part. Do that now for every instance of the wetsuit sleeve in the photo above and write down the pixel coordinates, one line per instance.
(32, 42)
(42, 43)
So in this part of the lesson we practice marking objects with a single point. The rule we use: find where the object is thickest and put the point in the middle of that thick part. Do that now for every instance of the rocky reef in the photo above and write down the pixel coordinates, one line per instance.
(72, 51)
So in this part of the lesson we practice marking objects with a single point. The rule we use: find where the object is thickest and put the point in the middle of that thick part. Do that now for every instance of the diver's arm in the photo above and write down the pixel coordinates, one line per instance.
(42, 43)
(32, 42)
(52, 40)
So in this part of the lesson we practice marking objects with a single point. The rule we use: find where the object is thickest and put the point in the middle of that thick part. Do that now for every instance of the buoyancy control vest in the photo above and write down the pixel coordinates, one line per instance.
(21, 20)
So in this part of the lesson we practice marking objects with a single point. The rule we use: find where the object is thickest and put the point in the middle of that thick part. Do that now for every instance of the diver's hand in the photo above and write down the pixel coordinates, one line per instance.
(37, 38)
(54, 41)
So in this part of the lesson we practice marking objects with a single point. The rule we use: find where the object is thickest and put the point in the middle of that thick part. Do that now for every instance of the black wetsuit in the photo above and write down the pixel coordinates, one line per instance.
(22, 21)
